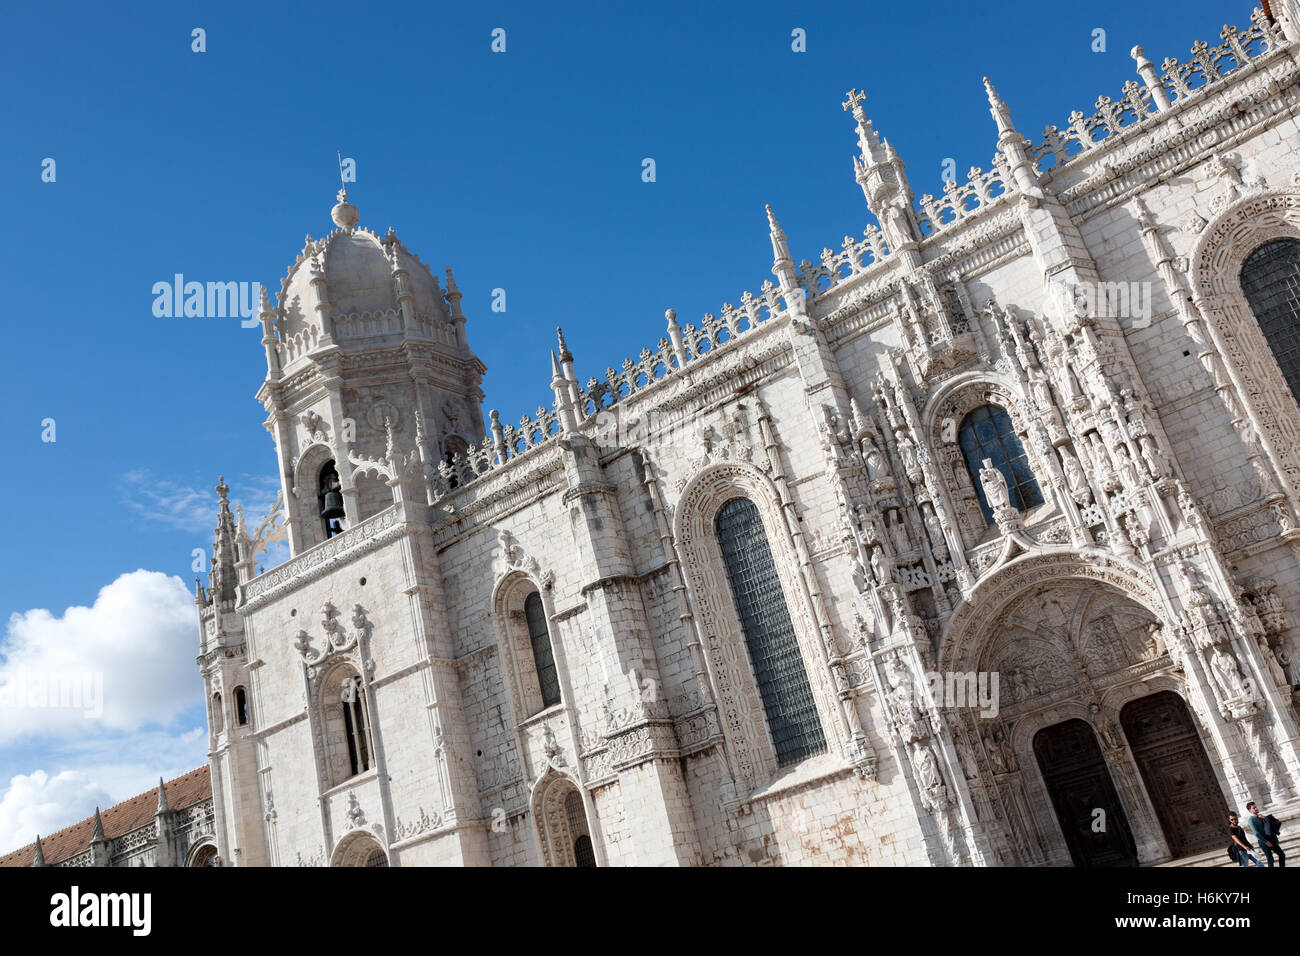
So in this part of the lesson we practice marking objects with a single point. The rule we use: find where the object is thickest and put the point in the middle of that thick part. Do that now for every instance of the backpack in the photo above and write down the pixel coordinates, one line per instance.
(1232, 852)
(1272, 826)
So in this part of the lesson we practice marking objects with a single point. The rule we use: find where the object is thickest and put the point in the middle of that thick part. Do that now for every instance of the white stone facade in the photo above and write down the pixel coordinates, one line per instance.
(1156, 421)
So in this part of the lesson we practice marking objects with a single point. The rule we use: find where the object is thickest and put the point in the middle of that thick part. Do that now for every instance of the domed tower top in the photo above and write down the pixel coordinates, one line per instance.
(357, 289)
(361, 345)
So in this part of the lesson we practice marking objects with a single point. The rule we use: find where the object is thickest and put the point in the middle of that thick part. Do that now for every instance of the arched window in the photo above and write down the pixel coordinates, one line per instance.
(345, 726)
(583, 854)
(543, 658)
(769, 633)
(1270, 278)
(354, 725)
(218, 716)
(987, 433)
(241, 707)
(331, 499)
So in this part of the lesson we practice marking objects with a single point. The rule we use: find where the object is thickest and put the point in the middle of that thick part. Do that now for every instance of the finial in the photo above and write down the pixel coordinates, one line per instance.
(854, 102)
(420, 436)
(390, 448)
(222, 488)
(671, 316)
(451, 282)
(162, 796)
(556, 374)
(38, 858)
(98, 835)
(344, 214)
(565, 354)
(780, 250)
(998, 109)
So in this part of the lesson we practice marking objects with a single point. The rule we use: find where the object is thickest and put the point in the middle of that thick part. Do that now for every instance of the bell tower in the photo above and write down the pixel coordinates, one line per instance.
(362, 338)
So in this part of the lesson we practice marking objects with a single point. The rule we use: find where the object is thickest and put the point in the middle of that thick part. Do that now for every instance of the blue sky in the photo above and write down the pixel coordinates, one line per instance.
(521, 170)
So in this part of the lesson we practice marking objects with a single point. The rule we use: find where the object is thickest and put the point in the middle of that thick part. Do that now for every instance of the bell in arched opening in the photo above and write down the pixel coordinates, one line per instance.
(331, 499)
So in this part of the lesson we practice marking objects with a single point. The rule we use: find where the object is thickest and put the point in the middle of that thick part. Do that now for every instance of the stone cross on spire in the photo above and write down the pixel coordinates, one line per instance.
(854, 103)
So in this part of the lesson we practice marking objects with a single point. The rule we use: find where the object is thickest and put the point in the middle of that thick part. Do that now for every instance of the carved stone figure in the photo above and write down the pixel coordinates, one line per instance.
(1075, 480)
(1226, 674)
(995, 486)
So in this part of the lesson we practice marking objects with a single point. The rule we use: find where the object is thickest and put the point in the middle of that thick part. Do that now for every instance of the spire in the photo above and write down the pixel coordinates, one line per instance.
(780, 248)
(98, 835)
(222, 578)
(565, 354)
(868, 139)
(563, 401)
(38, 856)
(162, 796)
(1001, 115)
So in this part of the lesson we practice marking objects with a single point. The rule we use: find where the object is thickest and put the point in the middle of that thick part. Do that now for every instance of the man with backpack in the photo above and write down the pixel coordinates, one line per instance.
(1239, 849)
(1266, 828)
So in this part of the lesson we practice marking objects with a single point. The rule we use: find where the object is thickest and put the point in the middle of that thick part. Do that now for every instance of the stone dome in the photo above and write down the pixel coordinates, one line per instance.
(357, 265)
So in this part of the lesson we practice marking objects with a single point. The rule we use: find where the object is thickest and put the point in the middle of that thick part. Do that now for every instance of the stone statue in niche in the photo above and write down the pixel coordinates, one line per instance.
(995, 486)
(897, 530)
(928, 774)
(1075, 480)
(1226, 674)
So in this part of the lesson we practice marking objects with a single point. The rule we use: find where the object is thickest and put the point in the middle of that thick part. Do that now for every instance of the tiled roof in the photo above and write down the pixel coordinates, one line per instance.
(119, 820)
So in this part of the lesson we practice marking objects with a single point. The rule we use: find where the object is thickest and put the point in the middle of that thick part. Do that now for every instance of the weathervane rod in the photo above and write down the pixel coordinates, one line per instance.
(342, 181)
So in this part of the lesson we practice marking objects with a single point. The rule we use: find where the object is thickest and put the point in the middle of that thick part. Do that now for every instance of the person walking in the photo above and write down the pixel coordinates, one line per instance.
(1242, 844)
(1263, 828)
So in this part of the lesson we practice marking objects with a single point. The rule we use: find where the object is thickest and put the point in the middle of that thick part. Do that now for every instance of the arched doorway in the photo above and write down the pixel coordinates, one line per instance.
(1083, 795)
(562, 823)
(1176, 771)
(360, 849)
(1064, 638)
(204, 855)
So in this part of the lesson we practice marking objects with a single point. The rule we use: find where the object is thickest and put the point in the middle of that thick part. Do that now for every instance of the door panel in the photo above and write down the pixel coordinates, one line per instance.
(1177, 773)
(1079, 784)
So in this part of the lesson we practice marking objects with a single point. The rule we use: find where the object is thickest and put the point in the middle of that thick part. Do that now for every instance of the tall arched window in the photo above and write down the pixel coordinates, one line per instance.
(1270, 278)
(354, 725)
(987, 433)
(583, 853)
(218, 716)
(345, 731)
(543, 657)
(769, 633)
(241, 706)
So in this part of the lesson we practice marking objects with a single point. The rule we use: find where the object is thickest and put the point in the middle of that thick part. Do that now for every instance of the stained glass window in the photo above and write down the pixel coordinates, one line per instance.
(987, 433)
(543, 657)
(1271, 280)
(769, 633)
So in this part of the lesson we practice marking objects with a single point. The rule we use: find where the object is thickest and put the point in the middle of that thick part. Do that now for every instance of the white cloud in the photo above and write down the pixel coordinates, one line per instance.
(194, 509)
(109, 768)
(124, 662)
(40, 803)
